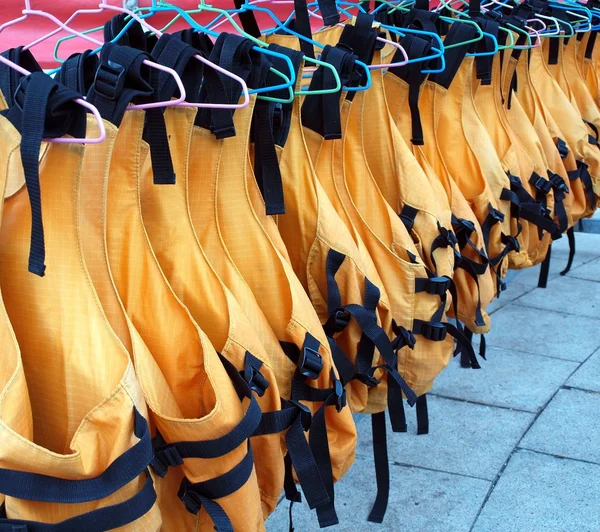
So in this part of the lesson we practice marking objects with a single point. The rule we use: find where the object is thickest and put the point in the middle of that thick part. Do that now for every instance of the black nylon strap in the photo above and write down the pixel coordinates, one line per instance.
(382, 467)
(233, 54)
(133, 37)
(173, 453)
(545, 269)
(454, 56)
(562, 148)
(283, 111)
(203, 494)
(560, 192)
(120, 79)
(408, 215)
(247, 19)
(494, 216)
(44, 488)
(78, 71)
(593, 127)
(483, 64)
(361, 38)
(372, 334)
(9, 77)
(589, 49)
(41, 108)
(106, 518)
(321, 113)
(171, 52)
(411, 73)
(197, 40)
(313, 470)
(422, 415)
(571, 237)
(583, 173)
(523, 205)
(302, 26)
(266, 164)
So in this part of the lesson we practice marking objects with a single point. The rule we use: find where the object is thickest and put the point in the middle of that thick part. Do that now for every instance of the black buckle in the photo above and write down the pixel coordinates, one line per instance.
(305, 414)
(541, 184)
(563, 149)
(310, 363)
(256, 380)
(278, 116)
(496, 215)
(515, 180)
(164, 458)
(337, 322)
(437, 286)
(190, 499)
(557, 182)
(110, 80)
(434, 331)
(339, 391)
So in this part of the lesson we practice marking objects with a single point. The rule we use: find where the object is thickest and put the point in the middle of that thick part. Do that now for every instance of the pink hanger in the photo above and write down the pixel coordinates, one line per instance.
(83, 103)
(532, 31)
(27, 11)
(103, 6)
(218, 68)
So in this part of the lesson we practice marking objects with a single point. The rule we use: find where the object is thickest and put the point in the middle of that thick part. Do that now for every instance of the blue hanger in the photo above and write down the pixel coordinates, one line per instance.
(280, 25)
(438, 52)
(261, 48)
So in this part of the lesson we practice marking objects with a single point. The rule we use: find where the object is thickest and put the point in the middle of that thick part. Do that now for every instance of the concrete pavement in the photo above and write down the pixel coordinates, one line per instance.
(514, 446)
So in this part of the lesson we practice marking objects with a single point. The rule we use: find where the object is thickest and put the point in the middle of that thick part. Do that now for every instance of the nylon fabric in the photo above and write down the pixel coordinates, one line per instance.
(54, 422)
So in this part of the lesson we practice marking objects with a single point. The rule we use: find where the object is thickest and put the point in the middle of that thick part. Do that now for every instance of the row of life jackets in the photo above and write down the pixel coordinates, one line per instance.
(193, 309)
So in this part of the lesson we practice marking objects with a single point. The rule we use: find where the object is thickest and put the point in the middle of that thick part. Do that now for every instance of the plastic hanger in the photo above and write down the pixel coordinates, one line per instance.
(279, 25)
(342, 10)
(557, 32)
(67, 140)
(464, 17)
(477, 38)
(133, 16)
(219, 20)
(316, 44)
(260, 47)
(438, 53)
(158, 33)
(28, 11)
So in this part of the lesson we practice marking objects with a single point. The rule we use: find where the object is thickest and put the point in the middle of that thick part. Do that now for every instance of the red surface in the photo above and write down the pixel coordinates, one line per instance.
(36, 26)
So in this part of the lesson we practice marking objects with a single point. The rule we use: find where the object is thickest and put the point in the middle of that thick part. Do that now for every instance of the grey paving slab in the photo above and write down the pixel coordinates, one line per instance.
(588, 374)
(509, 379)
(587, 246)
(464, 438)
(574, 296)
(558, 262)
(514, 290)
(419, 500)
(544, 332)
(589, 271)
(568, 427)
(543, 494)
